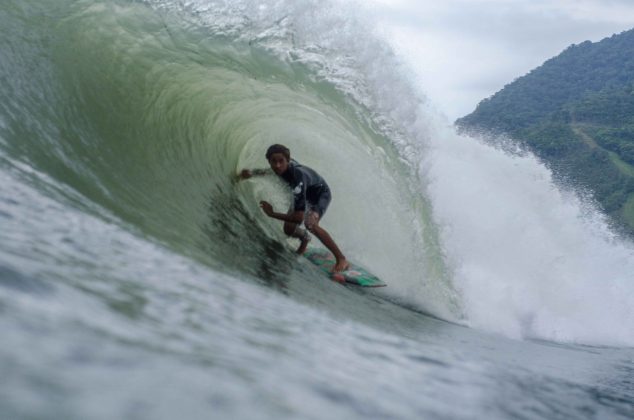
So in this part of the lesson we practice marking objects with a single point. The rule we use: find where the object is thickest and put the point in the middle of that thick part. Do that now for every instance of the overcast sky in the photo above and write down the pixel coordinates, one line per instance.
(466, 50)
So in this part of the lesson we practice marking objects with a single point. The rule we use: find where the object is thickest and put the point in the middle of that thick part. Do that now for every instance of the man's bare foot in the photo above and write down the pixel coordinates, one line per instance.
(304, 244)
(341, 265)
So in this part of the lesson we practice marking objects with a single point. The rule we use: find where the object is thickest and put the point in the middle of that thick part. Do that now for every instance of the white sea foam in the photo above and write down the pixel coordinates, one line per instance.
(529, 259)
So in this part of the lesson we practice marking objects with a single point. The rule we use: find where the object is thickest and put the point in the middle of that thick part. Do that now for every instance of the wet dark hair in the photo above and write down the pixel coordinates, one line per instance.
(278, 148)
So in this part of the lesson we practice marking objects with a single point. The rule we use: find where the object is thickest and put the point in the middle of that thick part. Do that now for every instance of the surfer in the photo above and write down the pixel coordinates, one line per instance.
(311, 197)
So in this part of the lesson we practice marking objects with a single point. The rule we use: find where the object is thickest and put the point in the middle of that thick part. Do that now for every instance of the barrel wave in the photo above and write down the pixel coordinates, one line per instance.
(152, 117)
(128, 244)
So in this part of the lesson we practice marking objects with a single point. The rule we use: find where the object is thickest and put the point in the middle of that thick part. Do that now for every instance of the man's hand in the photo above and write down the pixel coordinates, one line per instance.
(266, 207)
(245, 174)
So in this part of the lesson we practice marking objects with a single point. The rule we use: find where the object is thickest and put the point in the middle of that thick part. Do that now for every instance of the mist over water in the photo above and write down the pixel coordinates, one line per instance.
(531, 259)
(138, 279)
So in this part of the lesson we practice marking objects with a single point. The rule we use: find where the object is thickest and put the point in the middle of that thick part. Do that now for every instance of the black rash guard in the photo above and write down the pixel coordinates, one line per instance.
(308, 188)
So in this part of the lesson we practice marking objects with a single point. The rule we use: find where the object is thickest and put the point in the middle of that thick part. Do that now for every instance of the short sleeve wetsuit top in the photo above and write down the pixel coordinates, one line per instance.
(310, 191)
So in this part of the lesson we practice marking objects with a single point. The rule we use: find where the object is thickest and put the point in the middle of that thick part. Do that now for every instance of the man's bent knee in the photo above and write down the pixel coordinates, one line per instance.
(312, 220)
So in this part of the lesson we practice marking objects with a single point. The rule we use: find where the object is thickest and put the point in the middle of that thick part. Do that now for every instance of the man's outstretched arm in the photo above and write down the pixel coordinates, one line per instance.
(248, 173)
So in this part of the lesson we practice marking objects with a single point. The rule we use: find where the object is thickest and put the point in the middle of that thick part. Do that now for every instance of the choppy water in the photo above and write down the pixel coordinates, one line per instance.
(137, 280)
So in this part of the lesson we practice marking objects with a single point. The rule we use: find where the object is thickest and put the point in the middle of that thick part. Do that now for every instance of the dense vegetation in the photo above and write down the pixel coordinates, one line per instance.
(576, 112)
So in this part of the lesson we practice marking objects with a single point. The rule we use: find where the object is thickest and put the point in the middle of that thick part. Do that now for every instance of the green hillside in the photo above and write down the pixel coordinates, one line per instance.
(576, 112)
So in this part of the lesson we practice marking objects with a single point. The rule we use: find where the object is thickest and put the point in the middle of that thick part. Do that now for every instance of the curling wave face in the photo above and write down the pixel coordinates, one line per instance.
(148, 110)
(151, 111)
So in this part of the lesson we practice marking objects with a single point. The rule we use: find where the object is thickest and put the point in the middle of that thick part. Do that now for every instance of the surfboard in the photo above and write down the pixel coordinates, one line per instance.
(355, 274)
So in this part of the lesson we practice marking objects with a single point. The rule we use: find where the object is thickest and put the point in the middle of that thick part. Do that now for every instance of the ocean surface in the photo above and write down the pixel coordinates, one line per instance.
(139, 280)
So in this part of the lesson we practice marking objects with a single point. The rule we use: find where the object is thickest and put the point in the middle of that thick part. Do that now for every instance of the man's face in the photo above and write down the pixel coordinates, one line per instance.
(278, 163)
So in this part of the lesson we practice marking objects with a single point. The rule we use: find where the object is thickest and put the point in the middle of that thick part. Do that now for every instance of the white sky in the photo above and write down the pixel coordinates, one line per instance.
(466, 50)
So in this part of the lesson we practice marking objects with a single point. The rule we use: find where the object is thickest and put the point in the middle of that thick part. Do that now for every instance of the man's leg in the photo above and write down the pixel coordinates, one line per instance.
(293, 230)
(312, 224)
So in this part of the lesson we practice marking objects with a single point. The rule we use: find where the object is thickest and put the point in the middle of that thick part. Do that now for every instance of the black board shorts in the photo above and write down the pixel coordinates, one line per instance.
(317, 200)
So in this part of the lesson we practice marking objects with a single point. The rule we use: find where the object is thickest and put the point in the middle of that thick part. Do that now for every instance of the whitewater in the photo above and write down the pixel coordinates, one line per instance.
(140, 280)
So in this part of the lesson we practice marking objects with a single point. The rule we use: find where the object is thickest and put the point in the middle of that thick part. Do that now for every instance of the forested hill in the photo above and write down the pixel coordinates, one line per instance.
(576, 112)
